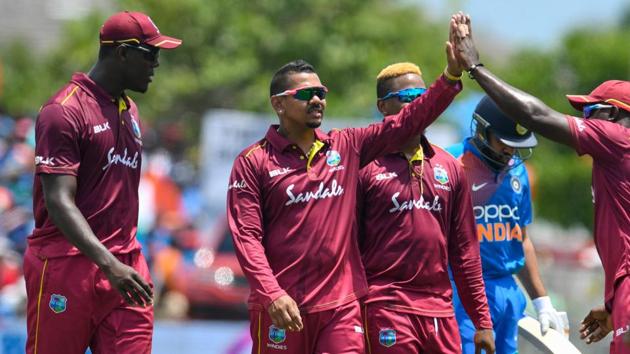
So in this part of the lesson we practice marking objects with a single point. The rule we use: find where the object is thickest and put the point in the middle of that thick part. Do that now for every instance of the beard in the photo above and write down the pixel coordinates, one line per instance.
(315, 107)
(313, 125)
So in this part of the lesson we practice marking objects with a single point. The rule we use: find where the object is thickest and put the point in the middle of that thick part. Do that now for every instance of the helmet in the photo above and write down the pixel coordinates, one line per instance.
(490, 119)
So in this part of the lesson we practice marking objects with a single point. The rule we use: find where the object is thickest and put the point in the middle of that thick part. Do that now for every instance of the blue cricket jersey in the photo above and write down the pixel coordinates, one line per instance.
(501, 206)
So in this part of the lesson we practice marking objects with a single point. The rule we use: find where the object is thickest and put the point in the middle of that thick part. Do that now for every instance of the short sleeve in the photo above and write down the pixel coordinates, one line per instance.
(57, 145)
(603, 140)
(525, 208)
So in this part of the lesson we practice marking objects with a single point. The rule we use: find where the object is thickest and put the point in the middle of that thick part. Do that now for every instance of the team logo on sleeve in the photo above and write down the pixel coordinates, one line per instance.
(277, 335)
(57, 303)
(516, 184)
(136, 128)
(333, 158)
(387, 337)
(440, 174)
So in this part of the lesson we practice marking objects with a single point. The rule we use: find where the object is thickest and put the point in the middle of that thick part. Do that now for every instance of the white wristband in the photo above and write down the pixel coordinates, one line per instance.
(542, 303)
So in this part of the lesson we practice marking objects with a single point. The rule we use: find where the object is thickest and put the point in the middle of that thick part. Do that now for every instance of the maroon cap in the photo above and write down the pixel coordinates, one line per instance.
(614, 92)
(135, 27)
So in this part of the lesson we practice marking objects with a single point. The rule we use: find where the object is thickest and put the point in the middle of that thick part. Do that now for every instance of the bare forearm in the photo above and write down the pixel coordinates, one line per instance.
(524, 108)
(516, 104)
(529, 275)
(520, 106)
(68, 218)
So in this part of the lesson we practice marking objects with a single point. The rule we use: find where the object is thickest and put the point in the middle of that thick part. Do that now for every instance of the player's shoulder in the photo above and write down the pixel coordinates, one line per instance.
(519, 170)
(598, 126)
(62, 104)
(444, 156)
(334, 134)
(381, 162)
(455, 150)
(63, 97)
(611, 129)
(254, 151)
(335, 131)
(443, 153)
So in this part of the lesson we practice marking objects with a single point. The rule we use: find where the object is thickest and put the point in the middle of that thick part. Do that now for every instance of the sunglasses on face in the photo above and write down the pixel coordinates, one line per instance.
(150, 54)
(306, 93)
(587, 111)
(406, 95)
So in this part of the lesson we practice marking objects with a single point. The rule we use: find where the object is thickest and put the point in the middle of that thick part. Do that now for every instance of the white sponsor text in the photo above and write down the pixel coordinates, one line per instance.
(322, 192)
(417, 204)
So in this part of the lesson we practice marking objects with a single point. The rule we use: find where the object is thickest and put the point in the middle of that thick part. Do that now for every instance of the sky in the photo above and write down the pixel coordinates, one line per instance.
(539, 23)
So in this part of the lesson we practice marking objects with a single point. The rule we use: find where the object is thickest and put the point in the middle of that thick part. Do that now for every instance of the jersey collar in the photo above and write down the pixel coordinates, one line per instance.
(281, 143)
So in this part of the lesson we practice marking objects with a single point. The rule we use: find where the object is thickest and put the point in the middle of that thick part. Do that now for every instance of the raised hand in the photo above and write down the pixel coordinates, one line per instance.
(461, 36)
(453, 66)
(284, 313)
(133, 288)
(484, 339)
(596, 325)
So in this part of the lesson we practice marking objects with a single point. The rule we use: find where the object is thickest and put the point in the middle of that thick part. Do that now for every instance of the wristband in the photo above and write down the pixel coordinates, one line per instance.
(451, 76)
(472, 69)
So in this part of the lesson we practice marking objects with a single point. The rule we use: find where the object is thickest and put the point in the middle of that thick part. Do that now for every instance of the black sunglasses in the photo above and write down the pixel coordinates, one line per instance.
(150, 54)
(305, 93)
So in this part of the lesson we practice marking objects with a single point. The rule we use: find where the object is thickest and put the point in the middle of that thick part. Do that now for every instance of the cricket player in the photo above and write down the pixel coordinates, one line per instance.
(603, 132)
(416, 220)
(292, 212)
(87, 282)
(502, 209)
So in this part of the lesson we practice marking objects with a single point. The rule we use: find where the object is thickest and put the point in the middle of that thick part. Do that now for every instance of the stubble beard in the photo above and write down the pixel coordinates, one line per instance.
(314, 125)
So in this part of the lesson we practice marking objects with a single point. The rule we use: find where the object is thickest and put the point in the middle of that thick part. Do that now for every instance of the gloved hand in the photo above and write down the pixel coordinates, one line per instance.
(547, 315)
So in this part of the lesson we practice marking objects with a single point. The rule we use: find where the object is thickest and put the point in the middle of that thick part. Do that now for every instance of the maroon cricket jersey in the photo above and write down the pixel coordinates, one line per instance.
(82, 131)
(608, 144)
(415, 220)
(292, 215)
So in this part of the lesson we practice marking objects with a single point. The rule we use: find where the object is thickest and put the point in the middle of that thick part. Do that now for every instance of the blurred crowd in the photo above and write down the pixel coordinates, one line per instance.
(193, 266)
(17, 155)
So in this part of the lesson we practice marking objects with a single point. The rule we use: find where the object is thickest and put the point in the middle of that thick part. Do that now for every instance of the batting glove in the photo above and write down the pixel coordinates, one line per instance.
(547, 315)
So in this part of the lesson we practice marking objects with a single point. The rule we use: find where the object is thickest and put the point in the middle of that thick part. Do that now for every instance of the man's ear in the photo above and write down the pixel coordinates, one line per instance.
(380, 105)
(121, 53)
(278, 105)
(615, 114)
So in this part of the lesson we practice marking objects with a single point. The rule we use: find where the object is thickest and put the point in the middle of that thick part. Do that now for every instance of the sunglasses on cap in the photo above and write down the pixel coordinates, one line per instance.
(406, 95)
(150, 53)
(306, 93)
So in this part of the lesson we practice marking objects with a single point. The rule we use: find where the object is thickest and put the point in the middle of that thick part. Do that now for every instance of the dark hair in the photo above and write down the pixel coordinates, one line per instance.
(280, 80)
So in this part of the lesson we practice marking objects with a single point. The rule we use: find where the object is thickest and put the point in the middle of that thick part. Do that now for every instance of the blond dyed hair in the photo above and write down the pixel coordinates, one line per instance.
(393, 71)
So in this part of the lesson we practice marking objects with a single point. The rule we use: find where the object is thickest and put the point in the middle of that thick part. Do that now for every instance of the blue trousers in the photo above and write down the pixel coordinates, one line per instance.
(507, 306)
